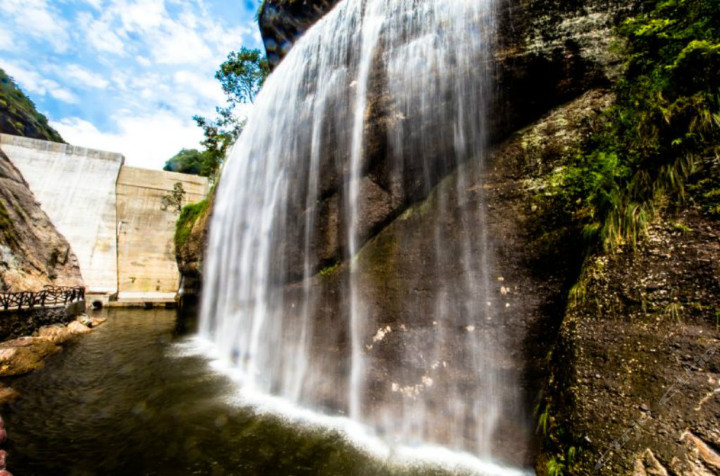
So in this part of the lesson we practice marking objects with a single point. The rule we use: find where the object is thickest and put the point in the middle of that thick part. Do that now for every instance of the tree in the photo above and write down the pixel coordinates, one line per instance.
(241, 76)
(190, 161)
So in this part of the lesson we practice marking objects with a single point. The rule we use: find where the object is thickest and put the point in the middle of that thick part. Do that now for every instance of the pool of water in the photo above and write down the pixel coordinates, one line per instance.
(124, 401)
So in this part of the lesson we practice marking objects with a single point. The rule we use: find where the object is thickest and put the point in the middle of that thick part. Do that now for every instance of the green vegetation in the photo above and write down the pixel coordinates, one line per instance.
(329, 270)
(5, 219)
(674, 311)
(18, 115)
(660, 143)
(190, 161)
(657, 147)
(187, 220)
(8, 233)
(241, 76)
(554, 435)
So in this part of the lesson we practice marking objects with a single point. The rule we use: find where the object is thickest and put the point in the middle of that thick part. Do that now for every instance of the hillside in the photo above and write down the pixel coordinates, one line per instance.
(18, 115)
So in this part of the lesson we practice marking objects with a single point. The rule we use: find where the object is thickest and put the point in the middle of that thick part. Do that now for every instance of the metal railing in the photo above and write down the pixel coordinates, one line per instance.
(50, 296)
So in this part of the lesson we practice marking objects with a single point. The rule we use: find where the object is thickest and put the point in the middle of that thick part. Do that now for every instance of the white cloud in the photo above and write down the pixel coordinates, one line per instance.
(100, 35)
(33, 82)
(63, 95)
(6, 40)
(36, 18)
(142, 15)
(96, 4)
(207, 86)
(85, 77)
(181, 46)
(146, 141)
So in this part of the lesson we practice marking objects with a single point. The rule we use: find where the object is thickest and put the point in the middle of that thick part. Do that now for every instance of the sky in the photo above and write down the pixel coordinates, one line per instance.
(124, 75)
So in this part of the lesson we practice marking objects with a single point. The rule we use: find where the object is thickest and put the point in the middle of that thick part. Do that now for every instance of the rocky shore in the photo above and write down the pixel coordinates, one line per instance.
(27, 354)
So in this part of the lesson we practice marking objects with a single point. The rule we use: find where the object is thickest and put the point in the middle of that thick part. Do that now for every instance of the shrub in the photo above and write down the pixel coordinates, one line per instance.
(187, 220)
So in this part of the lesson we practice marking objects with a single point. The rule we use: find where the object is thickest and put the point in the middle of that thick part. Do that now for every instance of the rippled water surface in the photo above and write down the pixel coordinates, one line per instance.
(123, 401)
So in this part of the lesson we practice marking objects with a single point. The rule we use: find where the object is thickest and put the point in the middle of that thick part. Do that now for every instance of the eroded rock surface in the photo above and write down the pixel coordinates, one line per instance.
(638, 364)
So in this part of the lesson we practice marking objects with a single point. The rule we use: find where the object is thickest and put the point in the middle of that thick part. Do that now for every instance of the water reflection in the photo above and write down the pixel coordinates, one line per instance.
(121, 401)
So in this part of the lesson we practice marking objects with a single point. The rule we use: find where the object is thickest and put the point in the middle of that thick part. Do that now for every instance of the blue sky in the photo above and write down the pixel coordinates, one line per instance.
(124, 75)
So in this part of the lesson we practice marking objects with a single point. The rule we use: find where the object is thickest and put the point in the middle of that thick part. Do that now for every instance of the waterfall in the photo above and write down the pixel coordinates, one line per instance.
(380, 106)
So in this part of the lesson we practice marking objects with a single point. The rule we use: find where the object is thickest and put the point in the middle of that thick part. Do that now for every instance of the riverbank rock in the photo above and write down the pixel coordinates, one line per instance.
(24, 355)
(77, 327)
(57, 334)
(8, 395)
(97, 321)
(33, 253)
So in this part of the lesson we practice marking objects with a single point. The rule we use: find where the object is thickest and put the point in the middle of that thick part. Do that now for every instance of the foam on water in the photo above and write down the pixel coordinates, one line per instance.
(361, 436)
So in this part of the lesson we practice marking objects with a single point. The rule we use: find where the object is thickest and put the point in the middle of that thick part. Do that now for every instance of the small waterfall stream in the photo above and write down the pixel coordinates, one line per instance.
(367, 115)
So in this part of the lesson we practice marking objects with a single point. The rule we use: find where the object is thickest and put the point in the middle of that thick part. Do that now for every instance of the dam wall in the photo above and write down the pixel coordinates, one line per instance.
(147, 268)
(111, 214)
(76, 188)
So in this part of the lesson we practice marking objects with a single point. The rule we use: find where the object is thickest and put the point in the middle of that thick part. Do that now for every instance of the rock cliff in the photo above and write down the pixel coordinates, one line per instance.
(625, 371)
(190, 243)
(32, 252)
(637, 366)
(546, 54)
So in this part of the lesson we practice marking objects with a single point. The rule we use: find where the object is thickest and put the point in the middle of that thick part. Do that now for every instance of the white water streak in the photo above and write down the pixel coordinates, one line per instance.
(422, 66)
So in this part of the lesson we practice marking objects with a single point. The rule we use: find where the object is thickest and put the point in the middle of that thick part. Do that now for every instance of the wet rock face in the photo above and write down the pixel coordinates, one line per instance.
(32, 252)
(400, 271)
(547, 53)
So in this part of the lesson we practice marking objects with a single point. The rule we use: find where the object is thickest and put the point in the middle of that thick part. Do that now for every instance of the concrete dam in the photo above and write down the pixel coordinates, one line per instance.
(111, 215)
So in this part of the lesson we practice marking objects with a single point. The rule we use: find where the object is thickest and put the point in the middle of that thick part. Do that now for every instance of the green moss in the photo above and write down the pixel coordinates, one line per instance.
(189, 216)
(6, 221)
(8, 234)
(329, 270)
(659, 142)
(683, 229)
